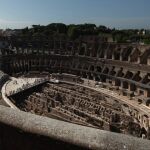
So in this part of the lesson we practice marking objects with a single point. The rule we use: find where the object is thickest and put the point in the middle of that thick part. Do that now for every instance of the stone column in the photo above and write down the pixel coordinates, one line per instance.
(113, 56)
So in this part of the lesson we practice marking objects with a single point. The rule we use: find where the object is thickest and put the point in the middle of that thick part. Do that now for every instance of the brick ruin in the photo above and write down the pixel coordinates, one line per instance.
(78, 105)
(120, 68)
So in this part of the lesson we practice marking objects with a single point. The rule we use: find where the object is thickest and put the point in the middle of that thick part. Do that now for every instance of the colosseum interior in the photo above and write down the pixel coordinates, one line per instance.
(99, 85)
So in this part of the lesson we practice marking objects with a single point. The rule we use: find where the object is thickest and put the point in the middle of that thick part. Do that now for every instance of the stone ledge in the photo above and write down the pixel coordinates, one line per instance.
(73, 134)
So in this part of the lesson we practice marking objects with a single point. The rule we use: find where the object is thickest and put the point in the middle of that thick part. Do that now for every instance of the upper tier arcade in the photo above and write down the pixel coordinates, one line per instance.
(122, 66)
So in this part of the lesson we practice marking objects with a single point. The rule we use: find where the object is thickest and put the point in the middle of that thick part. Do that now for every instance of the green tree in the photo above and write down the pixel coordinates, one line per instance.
(73, 32)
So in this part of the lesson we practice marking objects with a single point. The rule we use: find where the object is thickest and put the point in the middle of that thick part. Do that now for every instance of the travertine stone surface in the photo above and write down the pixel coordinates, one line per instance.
(70, 133)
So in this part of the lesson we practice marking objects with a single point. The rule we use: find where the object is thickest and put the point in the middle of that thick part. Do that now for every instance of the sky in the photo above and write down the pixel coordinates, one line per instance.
(112, 13)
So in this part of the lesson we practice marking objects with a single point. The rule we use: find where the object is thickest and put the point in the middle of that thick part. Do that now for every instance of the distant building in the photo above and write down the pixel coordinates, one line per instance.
(10, 32)
(141, 32)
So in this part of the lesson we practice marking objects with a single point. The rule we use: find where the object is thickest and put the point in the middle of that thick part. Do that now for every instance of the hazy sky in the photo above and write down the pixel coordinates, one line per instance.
(112, 13)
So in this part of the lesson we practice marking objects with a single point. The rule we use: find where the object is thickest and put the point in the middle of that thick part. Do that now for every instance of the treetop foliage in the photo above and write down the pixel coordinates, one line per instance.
(74, 31)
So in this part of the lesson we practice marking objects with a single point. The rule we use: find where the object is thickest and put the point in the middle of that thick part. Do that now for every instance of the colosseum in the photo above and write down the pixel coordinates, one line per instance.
(75, 95)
